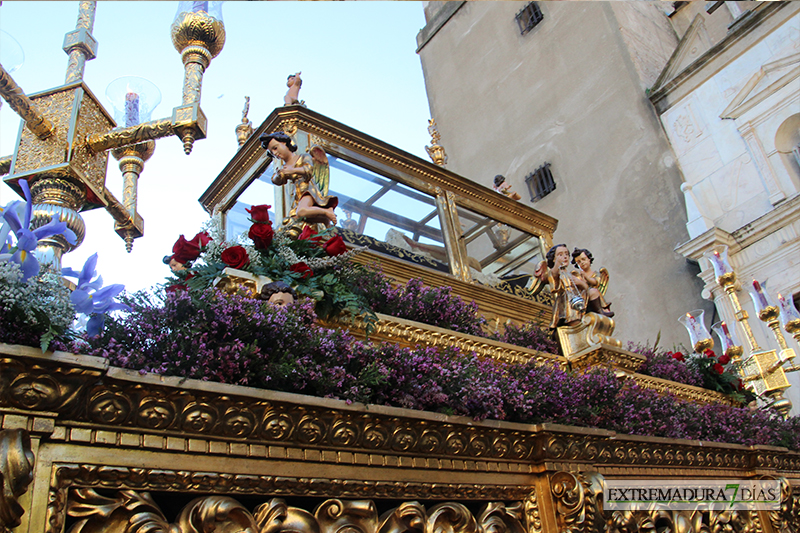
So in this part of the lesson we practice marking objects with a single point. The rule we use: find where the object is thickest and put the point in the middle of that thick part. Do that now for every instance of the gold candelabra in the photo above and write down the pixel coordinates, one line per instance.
(63, 150)
(763, 370)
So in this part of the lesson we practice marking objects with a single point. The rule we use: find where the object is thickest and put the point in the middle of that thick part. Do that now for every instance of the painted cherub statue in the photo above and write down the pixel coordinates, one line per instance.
(597, 282)
(293, 82)
(567, 289)
(310, 175)
(504, 188)
(278, 293)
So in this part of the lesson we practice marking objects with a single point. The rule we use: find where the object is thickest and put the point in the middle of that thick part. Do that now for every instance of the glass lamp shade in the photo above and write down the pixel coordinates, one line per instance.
(133, 100)
(718, 257)
(790, 318)
(213, 9)
(698, 334)
(11, 54)
(727, 336)
(761, 300)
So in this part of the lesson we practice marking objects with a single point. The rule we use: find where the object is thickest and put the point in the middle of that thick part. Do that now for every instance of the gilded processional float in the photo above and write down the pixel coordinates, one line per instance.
(90, 445)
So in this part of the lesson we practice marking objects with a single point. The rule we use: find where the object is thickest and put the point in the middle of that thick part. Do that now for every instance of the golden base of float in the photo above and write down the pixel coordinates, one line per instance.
(90, 447)
(590, 343)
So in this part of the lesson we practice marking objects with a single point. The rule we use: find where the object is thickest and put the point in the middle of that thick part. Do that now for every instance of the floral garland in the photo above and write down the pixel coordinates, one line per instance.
(315, 264)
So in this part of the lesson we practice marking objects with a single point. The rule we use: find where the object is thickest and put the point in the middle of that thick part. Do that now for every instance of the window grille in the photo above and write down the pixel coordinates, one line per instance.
(529, 17)
(540, 182)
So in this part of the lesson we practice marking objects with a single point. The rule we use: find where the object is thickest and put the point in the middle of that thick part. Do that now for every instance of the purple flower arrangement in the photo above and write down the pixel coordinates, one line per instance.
(529, 335)
(436, 306)
(232, 339)
(666, 365)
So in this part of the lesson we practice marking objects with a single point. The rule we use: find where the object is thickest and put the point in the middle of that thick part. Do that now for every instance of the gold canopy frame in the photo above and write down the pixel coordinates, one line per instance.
(463, 210)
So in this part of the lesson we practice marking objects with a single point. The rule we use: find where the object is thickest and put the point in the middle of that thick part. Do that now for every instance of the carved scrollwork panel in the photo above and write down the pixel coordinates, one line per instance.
(341, 516)
(578, 500)
(496, 517)
(16, 473)
(787, 518)
(410, 517)
(131, 511)
(450, 518)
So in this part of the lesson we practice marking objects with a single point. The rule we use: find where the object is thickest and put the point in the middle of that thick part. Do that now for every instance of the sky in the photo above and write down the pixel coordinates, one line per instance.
(359, 67)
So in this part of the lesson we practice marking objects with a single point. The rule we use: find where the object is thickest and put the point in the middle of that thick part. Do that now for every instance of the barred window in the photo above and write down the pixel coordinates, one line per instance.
(529, 17)
(540, 182)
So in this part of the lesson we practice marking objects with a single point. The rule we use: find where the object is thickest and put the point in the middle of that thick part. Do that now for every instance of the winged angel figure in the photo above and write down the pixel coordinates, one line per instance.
(310, 175)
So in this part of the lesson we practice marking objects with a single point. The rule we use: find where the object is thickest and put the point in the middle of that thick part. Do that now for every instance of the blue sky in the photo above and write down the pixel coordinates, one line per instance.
(359, 67)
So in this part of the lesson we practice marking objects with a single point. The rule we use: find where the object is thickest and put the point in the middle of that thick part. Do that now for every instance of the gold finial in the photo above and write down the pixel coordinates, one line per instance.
(245, 129)
(435, 150)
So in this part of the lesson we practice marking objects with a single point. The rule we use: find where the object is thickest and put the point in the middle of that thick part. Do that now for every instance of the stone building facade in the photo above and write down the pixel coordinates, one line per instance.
(731, 110)
(668, 127)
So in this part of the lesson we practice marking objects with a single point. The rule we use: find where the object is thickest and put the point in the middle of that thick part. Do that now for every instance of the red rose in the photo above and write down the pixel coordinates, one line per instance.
(201, 239)
(259, 213)
(335, 246)
(740, 385)
(710, 353)
(719, 368)
(302, 268)
(184, 251)
(724, 359)
(309, 233)
(262, 235)
(235, 257)
(677, 356)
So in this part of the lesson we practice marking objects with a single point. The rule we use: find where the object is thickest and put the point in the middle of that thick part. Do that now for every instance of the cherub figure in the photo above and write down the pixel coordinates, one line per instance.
(293, 82)
(278, 293)
(597, 283)
(567, 289)
(311, 177)
(503, 187)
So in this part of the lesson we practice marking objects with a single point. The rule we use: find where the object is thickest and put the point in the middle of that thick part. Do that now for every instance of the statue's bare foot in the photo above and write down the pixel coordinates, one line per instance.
(331, 216)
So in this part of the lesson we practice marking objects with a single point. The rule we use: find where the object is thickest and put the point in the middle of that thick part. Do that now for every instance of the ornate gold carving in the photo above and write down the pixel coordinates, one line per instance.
(289, 127)
(410, 333)
(578, 499)
(79, 44)
(23, 106)
(34, 153)
(198, 29)
(16, 473)
(533, 516)
(85, 395)
(118, 137)
(129, 509)
(435, 150)
(245, 129)
(683, 391)
(646, 522)
(69, 477)
(590, 342)
(787, 519)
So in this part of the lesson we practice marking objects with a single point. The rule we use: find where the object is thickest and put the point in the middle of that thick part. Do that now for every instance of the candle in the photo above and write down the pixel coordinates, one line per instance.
(761, 298)
(131, 109)
(726, 333)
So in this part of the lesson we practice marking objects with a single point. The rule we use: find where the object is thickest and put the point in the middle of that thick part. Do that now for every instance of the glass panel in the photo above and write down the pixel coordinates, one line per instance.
(498, 252)
(261, 191)
(377, 211)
